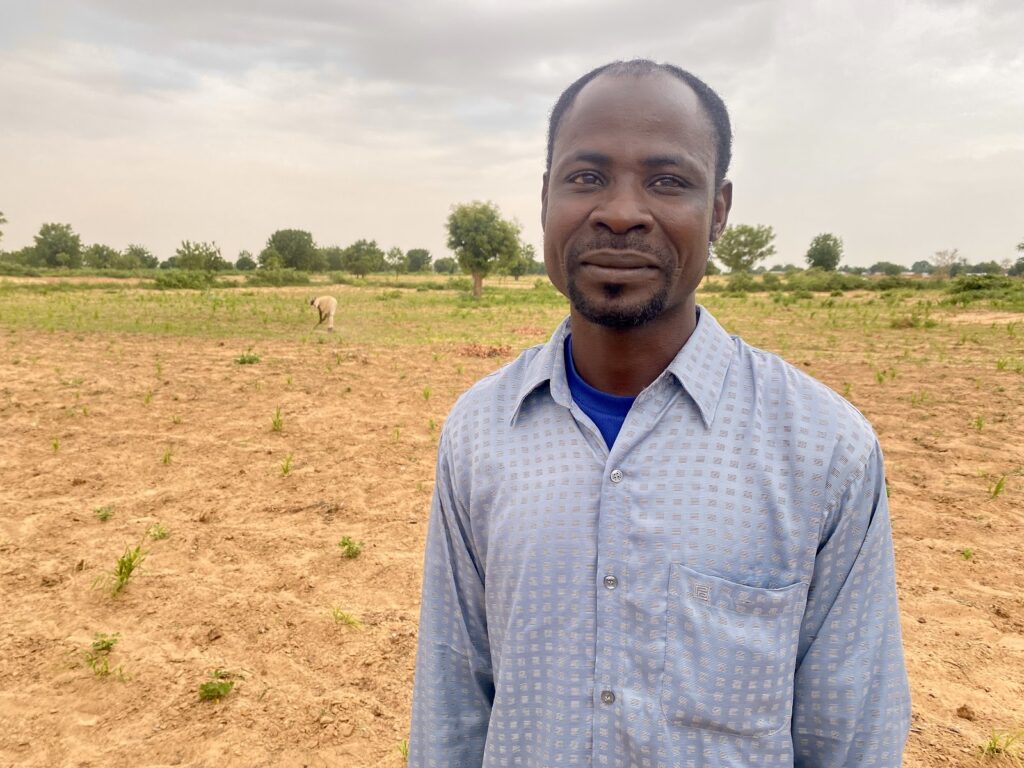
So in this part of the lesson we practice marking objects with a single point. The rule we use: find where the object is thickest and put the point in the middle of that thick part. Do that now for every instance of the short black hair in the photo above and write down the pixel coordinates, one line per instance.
(709, 100)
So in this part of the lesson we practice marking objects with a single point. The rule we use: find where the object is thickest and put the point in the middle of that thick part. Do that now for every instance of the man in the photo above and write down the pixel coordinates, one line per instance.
(650, 543)
(326, 306)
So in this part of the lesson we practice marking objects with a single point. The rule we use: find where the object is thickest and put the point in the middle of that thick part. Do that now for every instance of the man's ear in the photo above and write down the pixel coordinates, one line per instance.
(544, 201)
(723, 203)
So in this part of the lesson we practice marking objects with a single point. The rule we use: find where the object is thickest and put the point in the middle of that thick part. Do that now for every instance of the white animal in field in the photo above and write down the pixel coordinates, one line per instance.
(326, 306)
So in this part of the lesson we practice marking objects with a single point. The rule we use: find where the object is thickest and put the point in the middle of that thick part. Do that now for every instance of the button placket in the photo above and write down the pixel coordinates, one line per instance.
(607, 697)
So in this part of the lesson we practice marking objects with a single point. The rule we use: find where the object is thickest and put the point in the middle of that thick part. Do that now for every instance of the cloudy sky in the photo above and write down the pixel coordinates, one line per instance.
(897, 124)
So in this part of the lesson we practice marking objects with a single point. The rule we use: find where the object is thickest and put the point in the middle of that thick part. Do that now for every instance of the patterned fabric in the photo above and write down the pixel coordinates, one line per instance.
(715, 590)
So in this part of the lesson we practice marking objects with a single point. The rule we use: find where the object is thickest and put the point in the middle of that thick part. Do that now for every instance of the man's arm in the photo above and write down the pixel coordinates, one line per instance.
(851, 705)
(454, 686)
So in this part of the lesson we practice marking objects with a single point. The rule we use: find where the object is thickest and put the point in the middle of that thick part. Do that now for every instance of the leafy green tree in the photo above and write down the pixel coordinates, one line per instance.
(3, 220)
(245, 262)
(825, 252)
(922, 267)
(57, 245)
(395, 259)
(269, 258)
(199, 256)
(417, 259)
(334, 256)
(886, 268)
(481, 239)
(297, 250)
(446, 265)
(363, 257)
(711, 269)
(1017, 270)
(741, 246)
(98, 256)
(985, 268)
(140, 257)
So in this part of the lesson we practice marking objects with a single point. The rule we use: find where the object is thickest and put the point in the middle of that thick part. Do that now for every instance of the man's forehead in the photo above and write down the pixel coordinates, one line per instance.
(638, 103)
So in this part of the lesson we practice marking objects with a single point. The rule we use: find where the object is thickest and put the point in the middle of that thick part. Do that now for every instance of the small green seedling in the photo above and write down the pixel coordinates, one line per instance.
(996, 489)
(217, 687)
(148, 397)
(277, 423)
(967, 553)
(978, 423)
(286, 465)
(1001, 364)
(104, 513)
(175, 419)
(55, 444)
(158, 532)
(1002, 743)
(426, 394)
(350, 547)
(166, 458)
(97, 658)
(342, 617)
(247, 358)
(126, 565)
(403, 750)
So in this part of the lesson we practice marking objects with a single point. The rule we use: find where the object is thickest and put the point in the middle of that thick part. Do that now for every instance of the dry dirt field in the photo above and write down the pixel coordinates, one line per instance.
(156, 422)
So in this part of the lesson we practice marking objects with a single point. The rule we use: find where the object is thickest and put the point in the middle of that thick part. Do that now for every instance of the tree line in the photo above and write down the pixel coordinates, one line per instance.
(742, 247)
(481, 239)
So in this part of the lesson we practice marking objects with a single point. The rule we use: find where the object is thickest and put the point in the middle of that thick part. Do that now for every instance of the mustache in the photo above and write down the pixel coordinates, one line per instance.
(610, 241)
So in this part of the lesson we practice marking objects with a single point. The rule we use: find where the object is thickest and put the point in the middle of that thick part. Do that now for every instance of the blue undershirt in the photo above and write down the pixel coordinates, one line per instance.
(607, 411)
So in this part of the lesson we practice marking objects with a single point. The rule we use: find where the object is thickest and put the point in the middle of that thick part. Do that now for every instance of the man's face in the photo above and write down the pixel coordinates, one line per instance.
(629, 204)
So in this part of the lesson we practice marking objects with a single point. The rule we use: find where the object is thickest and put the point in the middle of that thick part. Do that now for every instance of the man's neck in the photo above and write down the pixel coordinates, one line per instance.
(624, 362)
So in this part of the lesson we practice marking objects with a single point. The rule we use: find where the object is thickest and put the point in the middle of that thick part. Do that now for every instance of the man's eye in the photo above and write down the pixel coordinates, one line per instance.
(668, 181)
(585, 177)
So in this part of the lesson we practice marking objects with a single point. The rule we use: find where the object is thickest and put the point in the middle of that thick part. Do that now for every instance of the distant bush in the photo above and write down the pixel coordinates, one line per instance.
(822, 281)
(17, 270)
(264, 277)
(340, 278)
(971, 283)
(742, 282)
(173, 279)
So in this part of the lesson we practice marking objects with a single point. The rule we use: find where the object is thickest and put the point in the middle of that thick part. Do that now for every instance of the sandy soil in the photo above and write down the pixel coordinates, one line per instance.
(173, 431)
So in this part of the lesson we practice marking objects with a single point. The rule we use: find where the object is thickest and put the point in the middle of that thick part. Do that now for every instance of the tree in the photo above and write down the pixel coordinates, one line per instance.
(98, 256)
(741, 246)
(922, 267)
(1020, 245)
(886, 268)
(712, 269)
(417, 259)
(334, 256)
(57, 245)
(199, 256)
(825, 252)
(395, 259)
(269, 258)
(986, 268)
(946, 262)
(1017, 270)
(140, 257)
(446, 265)
(3, 220)
(363, 257)
(481, 239)
(245, 262)
(297, 250)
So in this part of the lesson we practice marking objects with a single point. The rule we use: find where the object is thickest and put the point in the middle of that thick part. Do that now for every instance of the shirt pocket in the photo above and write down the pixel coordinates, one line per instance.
(730, 653)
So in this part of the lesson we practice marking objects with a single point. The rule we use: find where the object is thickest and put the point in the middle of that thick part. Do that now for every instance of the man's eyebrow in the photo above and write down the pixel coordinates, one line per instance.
(592, 158)
(659, 161)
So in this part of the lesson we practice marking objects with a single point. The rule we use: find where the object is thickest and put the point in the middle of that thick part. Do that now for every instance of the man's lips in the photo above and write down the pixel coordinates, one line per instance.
(616, 266)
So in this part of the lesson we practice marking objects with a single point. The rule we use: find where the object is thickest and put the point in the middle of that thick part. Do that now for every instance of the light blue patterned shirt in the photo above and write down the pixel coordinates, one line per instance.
(716, 590)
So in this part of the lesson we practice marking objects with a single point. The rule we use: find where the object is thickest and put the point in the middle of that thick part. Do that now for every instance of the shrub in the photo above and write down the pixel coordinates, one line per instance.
(172, 279)
(264, 277)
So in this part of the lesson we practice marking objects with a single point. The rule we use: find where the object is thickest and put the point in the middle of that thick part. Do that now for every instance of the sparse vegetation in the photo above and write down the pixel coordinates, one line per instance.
(158, 532)
(247, 358)
(350, 547)
(104, 513)
(286, 465)
(277, 422)
(217, 687)
(125, 567)
(343, 617)
(97, 656)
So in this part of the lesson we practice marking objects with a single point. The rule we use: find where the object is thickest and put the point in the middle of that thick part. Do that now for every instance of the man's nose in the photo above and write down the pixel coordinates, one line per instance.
(621, 210)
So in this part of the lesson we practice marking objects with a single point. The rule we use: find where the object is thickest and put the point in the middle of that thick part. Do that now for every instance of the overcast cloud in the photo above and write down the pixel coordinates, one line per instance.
(897, 125)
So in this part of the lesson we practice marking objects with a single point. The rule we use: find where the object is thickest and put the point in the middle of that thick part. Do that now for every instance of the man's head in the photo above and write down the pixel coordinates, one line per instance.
(634, 193)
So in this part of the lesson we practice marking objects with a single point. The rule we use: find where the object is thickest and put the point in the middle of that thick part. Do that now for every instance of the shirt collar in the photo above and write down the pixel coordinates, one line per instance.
(700, 367)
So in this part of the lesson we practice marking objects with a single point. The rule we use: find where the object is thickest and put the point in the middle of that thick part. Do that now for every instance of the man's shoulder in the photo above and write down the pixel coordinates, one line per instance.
(793, 394)
(496, 396)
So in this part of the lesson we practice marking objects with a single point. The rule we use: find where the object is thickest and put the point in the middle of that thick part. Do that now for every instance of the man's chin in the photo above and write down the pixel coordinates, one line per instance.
(618, 318)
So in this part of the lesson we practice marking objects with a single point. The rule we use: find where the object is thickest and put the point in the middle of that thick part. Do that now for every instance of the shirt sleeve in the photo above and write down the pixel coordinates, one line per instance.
(454, 687)
(851, 706)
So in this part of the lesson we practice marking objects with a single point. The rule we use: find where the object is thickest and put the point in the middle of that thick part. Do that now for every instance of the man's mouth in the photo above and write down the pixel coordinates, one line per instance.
(616, 265)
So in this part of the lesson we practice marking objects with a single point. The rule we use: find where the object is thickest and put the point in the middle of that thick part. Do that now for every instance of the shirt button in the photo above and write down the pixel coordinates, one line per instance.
(616, 476)
(610, 582)
(607, 697)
